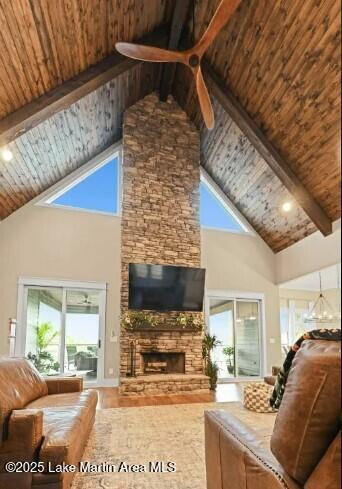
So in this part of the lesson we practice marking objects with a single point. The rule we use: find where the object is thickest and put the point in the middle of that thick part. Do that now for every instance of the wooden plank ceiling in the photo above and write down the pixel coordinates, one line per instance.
(250, 184)
(281, 59)
(43, 43)
(70, 138)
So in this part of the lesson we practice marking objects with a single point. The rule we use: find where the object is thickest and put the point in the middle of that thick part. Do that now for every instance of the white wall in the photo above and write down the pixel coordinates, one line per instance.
(331, 295)
(303, 298)
(309, 255)
(54, 243)
(296, 294)
(244, 263)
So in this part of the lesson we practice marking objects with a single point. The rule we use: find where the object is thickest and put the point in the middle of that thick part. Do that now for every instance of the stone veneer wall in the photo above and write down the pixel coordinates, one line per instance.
(160, 212)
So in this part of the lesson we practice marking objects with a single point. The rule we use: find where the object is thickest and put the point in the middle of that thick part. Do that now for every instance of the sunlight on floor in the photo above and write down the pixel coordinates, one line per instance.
(229, 392)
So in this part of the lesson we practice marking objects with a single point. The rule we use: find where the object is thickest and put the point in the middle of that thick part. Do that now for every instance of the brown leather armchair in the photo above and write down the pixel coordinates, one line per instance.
(41, 420)
(305, 447)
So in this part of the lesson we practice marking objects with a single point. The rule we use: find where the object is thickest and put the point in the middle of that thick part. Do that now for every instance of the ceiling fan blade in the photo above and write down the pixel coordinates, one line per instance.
(204, 100)
(149, 53)
(220, 18)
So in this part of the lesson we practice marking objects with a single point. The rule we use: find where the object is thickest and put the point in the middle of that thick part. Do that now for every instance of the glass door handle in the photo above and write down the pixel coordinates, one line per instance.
(99, 343)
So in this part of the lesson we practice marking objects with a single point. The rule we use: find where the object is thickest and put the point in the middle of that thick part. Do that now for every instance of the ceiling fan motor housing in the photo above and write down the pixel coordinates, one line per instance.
(194, 60)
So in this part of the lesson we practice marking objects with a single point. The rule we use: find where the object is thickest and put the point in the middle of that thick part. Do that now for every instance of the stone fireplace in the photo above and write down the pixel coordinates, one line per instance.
(160, 225)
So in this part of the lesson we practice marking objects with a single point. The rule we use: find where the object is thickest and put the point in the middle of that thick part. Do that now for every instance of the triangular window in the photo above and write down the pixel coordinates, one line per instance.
(216, 211)
(96, 190)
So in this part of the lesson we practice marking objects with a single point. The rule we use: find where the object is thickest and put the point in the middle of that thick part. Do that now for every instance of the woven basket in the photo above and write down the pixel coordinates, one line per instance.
(256, 397)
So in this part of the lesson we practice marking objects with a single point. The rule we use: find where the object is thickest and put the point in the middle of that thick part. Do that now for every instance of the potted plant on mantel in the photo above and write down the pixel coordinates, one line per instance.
(142, 320)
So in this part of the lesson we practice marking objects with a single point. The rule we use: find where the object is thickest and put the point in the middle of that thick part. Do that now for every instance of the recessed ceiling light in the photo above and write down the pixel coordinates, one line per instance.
(6, 154)
(287, 206)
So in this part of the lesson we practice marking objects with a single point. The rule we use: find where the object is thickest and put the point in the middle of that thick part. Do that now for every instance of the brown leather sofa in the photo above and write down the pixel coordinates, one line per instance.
(41, 420)
(304, 450)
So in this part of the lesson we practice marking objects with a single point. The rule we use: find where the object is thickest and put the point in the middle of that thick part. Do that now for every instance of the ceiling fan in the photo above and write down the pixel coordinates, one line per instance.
(86, 301)
(191, 57)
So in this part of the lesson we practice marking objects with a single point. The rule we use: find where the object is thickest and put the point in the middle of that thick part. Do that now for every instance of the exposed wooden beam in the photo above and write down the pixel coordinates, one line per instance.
(61, 97)
(265, 148)
(179, 18)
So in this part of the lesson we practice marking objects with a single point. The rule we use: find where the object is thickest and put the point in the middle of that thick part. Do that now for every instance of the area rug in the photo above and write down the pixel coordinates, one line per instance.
(123, 437)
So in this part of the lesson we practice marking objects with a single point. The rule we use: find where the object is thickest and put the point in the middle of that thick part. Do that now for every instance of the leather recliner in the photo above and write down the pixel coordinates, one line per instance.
(304, 450)
(41, 420)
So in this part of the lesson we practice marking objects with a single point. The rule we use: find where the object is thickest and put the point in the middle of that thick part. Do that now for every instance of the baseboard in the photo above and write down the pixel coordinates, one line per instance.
(105, 383)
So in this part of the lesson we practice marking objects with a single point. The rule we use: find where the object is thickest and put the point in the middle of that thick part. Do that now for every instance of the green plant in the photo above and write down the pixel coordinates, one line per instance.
(189, 321)
(209, 342)
(45, 335)
(137, 319)
(42, 359)
(228, 351)
(211, 371)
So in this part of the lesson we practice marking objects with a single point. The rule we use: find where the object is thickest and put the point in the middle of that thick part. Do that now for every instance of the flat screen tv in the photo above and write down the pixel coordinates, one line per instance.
(165, 288)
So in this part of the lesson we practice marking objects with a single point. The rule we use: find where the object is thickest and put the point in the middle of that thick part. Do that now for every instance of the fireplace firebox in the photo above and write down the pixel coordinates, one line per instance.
(163, 362)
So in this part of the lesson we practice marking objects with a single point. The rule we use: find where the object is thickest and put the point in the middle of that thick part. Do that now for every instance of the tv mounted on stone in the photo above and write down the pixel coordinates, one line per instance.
(165, 287)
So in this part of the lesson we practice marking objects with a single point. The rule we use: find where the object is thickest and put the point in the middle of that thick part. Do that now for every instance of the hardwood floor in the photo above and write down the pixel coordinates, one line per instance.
(109, 397)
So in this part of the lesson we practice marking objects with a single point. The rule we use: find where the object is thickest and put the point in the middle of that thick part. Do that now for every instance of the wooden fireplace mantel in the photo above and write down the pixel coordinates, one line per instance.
(165, 328)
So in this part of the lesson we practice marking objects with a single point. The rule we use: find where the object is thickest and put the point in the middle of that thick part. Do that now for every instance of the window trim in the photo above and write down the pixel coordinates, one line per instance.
(229, 207)
(77, 176)
(237, 295)
(33, 282)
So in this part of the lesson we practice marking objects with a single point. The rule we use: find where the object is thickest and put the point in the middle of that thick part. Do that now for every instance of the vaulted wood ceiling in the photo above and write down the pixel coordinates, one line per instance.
(43, 43)
(235, 165)
(281, 59)
(70, 138)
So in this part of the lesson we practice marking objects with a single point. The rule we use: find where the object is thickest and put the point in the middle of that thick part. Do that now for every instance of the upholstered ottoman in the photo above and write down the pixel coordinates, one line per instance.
(256, 397)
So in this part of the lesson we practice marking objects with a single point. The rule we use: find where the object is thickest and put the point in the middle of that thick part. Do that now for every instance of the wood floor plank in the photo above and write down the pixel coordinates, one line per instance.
(109, 397)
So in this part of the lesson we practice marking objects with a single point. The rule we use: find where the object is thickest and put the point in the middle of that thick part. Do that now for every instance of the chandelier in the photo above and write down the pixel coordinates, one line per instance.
(322, 311)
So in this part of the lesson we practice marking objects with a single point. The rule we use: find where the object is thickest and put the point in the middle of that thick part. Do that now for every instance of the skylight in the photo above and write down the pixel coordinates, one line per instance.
(215, 210)
(96, 191)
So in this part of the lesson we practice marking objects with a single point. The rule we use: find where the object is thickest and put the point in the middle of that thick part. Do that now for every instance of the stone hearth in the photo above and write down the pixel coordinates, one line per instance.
(154, 385)
(160, 225)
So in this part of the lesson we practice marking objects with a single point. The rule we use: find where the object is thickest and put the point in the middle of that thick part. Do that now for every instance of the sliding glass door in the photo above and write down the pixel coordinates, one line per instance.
(43, 328)
(247, 339)
(82, 340)
(222, 326)
(236, 323)
(60, 330)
